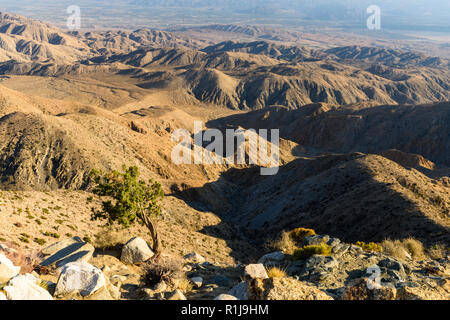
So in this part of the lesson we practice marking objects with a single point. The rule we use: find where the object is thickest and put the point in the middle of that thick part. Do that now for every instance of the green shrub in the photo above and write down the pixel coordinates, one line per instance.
(301, 233)
(371, 246)
(308, 251)
(39, 241)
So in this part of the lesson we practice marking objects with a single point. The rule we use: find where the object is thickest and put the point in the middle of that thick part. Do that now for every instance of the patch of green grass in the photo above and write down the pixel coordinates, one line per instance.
(39, 222)
(39, 241)
(45, 210)
(308, 251)
(51, 234)
(371, 246)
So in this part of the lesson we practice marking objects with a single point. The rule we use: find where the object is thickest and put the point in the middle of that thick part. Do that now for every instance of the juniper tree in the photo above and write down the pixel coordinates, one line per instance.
(128, 200)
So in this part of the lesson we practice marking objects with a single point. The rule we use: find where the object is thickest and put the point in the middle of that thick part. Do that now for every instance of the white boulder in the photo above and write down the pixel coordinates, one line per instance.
(7, 269)
(136, 250)
(26, 287)
(79, 277)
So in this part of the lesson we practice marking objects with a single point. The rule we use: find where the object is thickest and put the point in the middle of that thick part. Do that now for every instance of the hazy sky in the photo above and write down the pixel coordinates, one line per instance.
(421, 14)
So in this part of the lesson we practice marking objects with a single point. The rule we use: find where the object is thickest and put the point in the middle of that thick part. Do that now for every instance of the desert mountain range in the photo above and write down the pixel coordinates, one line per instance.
(365, 131)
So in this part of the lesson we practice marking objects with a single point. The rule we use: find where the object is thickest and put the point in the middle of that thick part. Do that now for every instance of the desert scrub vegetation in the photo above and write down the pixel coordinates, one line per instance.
(438, 251)
(305, 252)
(275, 272)
(402, 248)
(167, 271)
(110, 240)
(129, 200)
(301, 233)
(371, 246)
(289, 241)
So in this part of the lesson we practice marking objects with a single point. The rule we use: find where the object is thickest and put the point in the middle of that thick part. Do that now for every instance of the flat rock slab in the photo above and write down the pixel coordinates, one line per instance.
(68, 251)
(57, 246)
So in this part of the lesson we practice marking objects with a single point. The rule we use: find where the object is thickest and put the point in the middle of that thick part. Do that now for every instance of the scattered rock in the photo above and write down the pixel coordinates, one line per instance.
(366, 289)
(273, 258)
(26, 287)
(240, 291)
(7, 269)
(136, 250)
(225, 297)
(316, 240)
(284, 289)
(256, 271)
(194, 257)
(197, 281)
(175, 295)
(79, 277)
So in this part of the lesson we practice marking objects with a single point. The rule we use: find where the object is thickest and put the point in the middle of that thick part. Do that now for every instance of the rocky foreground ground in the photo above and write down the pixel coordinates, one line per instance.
(74, 269)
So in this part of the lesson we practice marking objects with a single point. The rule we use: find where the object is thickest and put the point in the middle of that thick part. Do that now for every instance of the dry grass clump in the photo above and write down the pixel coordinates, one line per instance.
(168, 271)
(110, 240)
(284, 243)
(185, 285)
(276, 272)
(289, 241)
(308, 251)
(400, 248)
(438, 251)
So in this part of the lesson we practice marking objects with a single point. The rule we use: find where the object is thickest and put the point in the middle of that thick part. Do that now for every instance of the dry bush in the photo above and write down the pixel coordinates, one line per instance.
(275, 272)
(301, 233)
(168, 271)
(185, 285)
(438, 251)
(27, 261)
(110, 239)
(285, 243)
(399, 248)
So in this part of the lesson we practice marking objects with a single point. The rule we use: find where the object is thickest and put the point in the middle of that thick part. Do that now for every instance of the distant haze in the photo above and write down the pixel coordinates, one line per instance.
(407, 15)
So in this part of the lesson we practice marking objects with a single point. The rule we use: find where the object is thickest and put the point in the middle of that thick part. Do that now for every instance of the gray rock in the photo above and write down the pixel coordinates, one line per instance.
(240, 291)
(273, 258)
(79, 277)
(197, 281)
(175, 295)
(7, 269)
(392, 264)
(296, 267)
(256, 271)
(136, 250)
(194, 257)
(67, 251)
(225, 297)
(316, 240)
(333, 242)
(26, 287)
